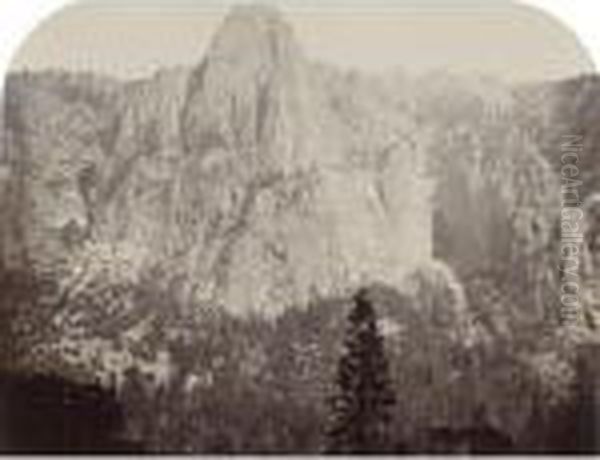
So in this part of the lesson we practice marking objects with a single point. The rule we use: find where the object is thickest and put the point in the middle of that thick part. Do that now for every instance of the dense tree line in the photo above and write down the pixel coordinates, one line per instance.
(265, 386)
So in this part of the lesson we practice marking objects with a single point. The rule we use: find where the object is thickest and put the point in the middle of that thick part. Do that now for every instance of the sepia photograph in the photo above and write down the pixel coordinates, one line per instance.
(300, 228)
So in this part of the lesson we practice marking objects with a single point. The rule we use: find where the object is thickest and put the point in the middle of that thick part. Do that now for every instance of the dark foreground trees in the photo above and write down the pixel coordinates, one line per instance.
(46, 414)
(362, 407)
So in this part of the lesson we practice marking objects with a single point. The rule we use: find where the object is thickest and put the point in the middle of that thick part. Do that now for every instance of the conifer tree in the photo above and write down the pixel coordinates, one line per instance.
(362, 406)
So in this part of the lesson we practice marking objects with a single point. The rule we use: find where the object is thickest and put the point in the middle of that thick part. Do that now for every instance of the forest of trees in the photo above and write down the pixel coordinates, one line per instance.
(373, 372)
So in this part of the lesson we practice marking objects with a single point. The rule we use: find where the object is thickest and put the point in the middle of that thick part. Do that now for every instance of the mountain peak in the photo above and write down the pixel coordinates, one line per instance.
(252, 61)
(252, 34)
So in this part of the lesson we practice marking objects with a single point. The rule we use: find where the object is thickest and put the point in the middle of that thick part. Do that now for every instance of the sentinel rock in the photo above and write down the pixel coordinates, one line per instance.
(287, 208)
(242, 182)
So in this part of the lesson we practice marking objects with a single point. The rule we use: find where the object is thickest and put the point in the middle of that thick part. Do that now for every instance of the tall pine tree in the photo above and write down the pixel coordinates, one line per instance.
(361, 409)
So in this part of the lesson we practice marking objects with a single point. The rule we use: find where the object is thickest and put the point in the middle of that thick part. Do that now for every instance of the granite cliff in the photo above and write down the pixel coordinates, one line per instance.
(245, 181)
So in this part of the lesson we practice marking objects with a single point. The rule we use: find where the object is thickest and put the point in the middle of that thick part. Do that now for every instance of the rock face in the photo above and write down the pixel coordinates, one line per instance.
(244, 182)
(570, 108)
(496, 194)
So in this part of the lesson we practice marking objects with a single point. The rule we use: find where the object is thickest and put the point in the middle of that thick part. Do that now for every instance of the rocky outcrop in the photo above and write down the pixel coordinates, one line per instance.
(496, 200)
(243, 182)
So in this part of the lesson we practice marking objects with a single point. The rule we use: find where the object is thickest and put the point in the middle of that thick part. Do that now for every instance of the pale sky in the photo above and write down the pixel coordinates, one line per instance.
(133, 38)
